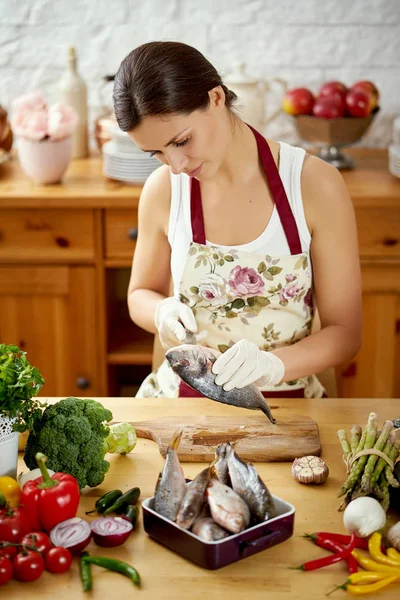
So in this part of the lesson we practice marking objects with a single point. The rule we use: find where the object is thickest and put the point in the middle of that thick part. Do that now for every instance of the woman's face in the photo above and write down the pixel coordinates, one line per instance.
(195, 144)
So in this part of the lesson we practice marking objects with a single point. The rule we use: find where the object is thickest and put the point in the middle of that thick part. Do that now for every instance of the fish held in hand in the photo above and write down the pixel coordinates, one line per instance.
(207, 529)
(192, 502)
(193, 365)
(248, 485)
(171, 485)
(227, 508)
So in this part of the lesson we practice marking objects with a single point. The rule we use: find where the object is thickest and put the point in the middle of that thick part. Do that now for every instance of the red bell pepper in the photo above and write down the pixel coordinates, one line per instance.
(49, 500)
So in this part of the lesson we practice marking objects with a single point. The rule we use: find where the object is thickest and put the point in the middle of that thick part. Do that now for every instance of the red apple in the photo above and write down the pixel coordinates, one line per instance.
(333, 87)
(336, 96)
(370, 88)
(358, 103)
(298, 101)
(328, 108)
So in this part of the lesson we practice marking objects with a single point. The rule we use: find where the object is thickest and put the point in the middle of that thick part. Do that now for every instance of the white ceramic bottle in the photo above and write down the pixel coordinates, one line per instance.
(72, 90)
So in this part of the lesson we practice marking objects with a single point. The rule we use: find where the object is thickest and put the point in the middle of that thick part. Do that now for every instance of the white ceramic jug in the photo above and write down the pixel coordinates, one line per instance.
(251, 94)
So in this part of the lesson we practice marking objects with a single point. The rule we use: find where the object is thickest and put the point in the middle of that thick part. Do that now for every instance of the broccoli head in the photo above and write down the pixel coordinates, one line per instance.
(72, 434)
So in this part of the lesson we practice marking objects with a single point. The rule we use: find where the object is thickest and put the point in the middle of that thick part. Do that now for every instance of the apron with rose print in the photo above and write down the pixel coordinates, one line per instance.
(235, 294)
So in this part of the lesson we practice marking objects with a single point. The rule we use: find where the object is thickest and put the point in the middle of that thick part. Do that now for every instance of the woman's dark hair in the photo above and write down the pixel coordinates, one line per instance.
(160, 78)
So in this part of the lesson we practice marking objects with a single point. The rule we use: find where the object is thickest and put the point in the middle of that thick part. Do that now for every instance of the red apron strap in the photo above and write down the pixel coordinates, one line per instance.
(278, 194)
(196, 213)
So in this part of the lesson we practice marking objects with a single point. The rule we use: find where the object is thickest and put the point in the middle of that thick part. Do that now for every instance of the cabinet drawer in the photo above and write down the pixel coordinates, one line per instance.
(120, 233)
(48, 235)
(378, 231)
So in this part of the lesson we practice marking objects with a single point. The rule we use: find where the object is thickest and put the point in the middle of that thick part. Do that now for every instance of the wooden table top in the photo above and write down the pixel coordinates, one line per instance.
(165, 574)
(84, 184)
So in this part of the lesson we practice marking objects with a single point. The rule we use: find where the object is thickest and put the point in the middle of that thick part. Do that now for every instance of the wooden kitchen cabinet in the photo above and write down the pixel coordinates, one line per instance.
(48, 311)
(65, 257)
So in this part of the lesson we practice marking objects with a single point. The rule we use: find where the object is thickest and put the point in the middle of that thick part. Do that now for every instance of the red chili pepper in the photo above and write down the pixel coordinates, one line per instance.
(49, 500)
(329, 544)
(340, 538)
(329, 560)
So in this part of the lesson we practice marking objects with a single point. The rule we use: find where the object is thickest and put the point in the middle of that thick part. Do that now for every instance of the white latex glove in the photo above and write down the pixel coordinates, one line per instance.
(245, 363)
(172, 318)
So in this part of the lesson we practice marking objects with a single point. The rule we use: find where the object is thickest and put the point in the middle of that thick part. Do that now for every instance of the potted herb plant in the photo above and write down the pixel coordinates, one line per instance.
(20, 383)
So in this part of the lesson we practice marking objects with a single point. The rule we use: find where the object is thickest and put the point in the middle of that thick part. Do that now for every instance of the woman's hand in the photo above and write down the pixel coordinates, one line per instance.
(244, 363)
(172, 318)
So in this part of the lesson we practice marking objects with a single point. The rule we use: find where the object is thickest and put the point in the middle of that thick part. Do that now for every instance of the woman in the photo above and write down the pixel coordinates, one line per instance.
(255, 234)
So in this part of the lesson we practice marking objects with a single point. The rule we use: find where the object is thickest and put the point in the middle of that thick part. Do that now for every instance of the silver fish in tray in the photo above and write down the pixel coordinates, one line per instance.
(193, 365)
(171, 485)
(193, 500)
(227, 508)
(248, 485)
(207, 529)
(220, 464)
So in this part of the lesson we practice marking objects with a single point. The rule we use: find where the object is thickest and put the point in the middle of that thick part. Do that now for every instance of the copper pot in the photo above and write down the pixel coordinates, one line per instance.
(106, 119)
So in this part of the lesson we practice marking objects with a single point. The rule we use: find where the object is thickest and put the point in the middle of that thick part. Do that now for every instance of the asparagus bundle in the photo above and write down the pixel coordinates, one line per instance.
(368, 472)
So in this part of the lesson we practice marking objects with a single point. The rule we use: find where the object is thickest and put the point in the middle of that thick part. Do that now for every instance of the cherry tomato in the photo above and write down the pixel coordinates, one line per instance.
(5, 570)
(14, 524)
(28, 565)
(39, 539)
(8, 551)
(58, 560)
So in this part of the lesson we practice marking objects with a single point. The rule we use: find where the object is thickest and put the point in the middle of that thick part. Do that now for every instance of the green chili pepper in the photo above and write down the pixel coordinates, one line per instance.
(3, 500)
(131, 514)
(105, 501)
(113, 564)
(85, 571)
(119, 506)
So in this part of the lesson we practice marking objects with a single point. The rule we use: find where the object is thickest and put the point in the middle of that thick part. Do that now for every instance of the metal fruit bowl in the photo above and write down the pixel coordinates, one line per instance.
(332, 134)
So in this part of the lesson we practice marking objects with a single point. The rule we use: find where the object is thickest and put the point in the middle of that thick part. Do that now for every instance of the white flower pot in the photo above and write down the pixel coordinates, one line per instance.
(45, 161)
(8, 447)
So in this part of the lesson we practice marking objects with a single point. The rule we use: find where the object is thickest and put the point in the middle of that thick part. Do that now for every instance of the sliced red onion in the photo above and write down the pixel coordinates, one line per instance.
(73, 534)
(110, 531)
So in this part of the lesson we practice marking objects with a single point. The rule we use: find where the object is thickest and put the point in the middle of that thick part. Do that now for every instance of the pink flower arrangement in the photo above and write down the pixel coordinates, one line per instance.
(34, 120)
(245, 282)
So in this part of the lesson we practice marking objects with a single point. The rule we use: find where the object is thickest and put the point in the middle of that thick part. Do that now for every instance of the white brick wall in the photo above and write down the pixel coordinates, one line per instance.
(305, 42)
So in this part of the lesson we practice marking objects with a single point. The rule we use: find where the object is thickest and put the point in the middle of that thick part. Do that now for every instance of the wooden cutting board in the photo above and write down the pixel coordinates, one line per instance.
(254, 437)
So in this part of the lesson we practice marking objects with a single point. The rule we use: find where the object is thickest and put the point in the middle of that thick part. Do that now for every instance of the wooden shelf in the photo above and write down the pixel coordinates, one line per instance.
(130, 345)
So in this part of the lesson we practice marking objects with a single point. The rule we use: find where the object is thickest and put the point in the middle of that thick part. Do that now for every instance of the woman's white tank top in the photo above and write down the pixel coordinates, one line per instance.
(271, 241)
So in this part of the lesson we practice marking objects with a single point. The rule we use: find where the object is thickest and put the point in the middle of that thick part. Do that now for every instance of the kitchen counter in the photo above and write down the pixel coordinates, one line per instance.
(267, 574)
(85, 186)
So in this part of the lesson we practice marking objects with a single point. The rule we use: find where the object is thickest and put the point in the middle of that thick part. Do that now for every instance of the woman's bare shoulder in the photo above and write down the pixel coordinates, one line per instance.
(324, 192)
(155, 199)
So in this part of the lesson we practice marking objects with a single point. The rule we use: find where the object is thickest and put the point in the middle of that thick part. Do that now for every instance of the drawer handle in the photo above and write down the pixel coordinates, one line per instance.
(82, 383)
(390, 242)
(133, 233)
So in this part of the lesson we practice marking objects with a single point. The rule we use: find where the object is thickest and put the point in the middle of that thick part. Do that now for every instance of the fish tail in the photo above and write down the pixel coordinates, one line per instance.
(176, 439)
(267, 411)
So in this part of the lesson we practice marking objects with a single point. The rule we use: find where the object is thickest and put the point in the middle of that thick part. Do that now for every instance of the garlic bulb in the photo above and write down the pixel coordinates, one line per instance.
(310, 469)
(392, 536)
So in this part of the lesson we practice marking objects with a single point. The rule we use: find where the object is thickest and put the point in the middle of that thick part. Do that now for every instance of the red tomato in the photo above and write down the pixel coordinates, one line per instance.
(28, 566)
(58, 560)
(8, 551)
(5, 570)
(14, 524)
(39, 539)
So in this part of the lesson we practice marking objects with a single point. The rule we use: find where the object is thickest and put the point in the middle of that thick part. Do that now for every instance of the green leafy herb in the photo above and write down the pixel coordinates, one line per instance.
(20, 382)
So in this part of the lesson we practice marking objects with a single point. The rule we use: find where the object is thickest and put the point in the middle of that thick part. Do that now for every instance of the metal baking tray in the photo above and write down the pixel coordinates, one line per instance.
(214, 555)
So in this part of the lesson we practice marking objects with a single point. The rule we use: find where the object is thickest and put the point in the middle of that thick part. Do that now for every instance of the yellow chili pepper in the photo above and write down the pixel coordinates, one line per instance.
(374, 547)
(11, 490)
(393, 554)
(366, 562)
(363, 590)
(368, 576)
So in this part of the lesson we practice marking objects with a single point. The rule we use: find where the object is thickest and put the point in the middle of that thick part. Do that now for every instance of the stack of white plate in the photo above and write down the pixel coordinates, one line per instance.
(124, 161)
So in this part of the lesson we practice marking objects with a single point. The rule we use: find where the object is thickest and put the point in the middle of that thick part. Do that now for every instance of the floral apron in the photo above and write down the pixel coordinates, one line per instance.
(235, 294)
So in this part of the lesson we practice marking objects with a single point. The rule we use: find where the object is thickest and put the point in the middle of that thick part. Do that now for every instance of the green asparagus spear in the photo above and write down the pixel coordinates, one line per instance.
(383, 484)
(358, 466)
(355, 436)
(373, 458)
(381, 464)
(391, 479)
